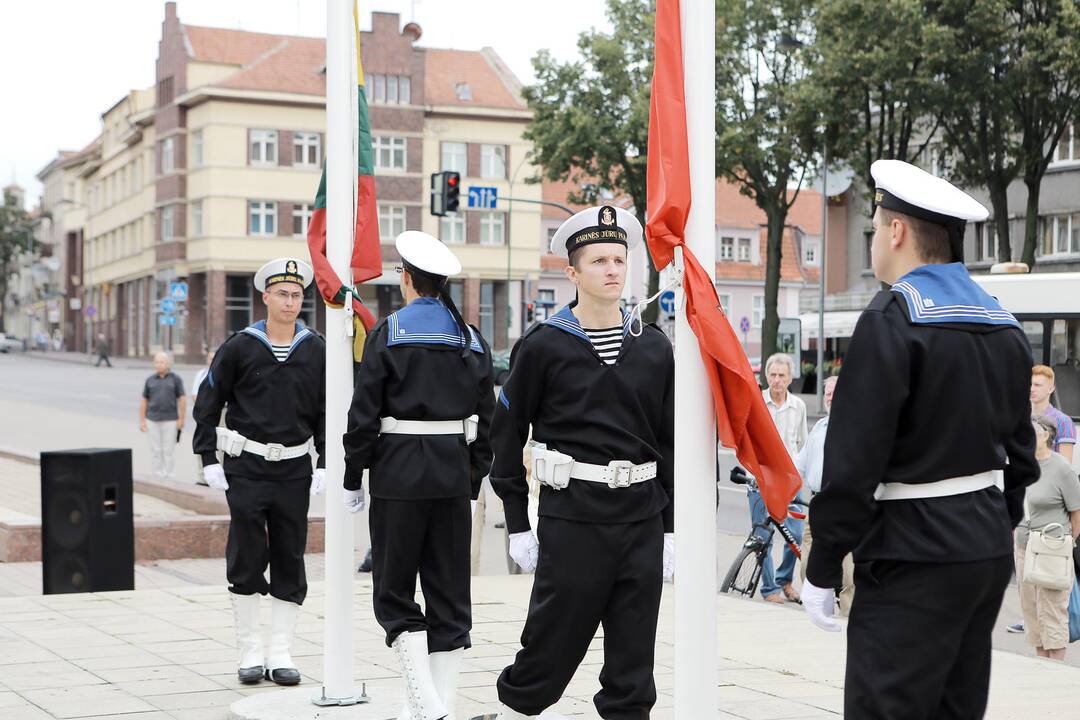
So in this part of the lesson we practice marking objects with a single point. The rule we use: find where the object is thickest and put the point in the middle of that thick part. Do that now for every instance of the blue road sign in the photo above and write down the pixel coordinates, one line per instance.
(744, 325)
(168, 306)
(483, 197)
(667, 302)
(178, 291)
(167, 320)
(90, 311)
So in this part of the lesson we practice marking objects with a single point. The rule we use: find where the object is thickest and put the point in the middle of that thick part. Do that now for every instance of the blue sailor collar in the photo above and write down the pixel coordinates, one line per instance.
(566, 321)
(426, 321)
(258, 331)
(945, 293)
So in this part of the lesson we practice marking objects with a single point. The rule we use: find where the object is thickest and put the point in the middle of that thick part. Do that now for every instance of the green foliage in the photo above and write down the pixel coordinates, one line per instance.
(14, 231)
(767, 120)
(591, 116)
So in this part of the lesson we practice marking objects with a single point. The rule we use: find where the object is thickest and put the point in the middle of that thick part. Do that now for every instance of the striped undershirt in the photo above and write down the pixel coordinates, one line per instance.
(608, 343)
(281, 352)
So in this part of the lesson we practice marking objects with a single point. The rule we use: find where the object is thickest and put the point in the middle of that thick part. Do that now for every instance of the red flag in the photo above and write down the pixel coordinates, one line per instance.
(742, 420)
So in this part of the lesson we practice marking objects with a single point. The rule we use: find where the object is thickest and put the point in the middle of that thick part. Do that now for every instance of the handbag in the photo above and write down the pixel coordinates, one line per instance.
(1048, 559)
(1074, 613)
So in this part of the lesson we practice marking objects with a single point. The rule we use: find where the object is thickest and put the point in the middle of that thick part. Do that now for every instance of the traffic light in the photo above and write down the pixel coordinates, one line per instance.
(530, 313)
(453, 191)
(445, 192)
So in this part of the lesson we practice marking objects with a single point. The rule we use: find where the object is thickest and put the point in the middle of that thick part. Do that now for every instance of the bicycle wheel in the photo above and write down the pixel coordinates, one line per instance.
(743, 575)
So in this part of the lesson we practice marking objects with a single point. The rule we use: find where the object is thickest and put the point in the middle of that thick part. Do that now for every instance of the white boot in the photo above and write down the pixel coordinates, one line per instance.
(279, 664)
(248, 638)
(421, 697)
(445, 668)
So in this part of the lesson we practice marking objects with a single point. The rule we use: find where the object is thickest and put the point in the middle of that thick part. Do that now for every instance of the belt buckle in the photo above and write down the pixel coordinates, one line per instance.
(274, 451)
(621, 473)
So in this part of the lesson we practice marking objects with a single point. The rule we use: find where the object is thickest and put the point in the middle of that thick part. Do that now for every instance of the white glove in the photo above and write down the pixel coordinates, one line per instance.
(318, 481)
(525, 550)
(669, 557)
(214, 475)
(819, 604)
(354, 500)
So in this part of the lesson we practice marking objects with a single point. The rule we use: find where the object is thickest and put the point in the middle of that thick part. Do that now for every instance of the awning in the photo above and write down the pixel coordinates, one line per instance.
(838, 324)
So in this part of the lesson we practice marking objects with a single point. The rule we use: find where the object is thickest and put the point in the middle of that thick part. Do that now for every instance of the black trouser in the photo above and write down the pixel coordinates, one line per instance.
(590, 575)
(269, 527)
(429, 537)
(919, 638)
(104, 357)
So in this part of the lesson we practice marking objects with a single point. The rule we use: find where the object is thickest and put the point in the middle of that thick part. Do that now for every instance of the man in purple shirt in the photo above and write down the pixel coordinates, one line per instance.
(1042, 385)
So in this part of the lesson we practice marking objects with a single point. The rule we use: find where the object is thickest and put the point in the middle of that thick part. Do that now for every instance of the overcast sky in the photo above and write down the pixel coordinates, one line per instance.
(64, 62)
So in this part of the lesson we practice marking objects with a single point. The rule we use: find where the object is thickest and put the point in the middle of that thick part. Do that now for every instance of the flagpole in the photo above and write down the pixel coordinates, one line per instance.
(338, 643)
(695, 420)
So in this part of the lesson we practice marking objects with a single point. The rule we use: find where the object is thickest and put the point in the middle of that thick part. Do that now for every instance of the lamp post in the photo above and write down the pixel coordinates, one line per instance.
(821, 279)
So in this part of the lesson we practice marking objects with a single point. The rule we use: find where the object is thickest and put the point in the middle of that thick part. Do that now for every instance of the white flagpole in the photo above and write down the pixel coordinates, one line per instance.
(340, 136)
(695, 422)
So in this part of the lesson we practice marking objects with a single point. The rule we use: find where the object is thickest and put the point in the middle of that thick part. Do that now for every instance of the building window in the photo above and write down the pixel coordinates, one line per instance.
(487, 310)
(452, 229)
(168, 160)
(493, 161)
(757, 311)
(301, 218)
(197, 148)
(389, 152)
(986, 247)
(306, 149)
(454, 157)
(391, 222)
(261, 216)
(1069, 146)
(136, 172)
(868, 241)
(463, 91)
(395, 89)
(810, 252)
(404, 89)
(744, 250)
(492, 229)
(264, 147)
(1059, 234)
(727, 249)
(725, 304)
(237, 302)
(197, 218)
(168, 225)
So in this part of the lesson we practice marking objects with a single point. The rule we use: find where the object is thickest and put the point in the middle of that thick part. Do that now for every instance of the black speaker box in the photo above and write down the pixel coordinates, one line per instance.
(87, 526)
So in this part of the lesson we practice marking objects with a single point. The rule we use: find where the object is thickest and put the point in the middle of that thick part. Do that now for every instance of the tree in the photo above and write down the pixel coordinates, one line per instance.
(591, 116)
(975, 112)
(1046, 97)
(14, 238)
(765, 117)
(874, 81)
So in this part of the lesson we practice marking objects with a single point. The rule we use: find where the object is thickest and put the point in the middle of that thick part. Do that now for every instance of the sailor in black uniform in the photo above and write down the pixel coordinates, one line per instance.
(270, 376)
(929, 449)
(598, 391)
(419, 423)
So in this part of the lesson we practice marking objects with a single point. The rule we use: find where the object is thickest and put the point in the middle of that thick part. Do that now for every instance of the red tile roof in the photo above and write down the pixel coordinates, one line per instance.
(229, 47)
(733, 209)
(444, 70)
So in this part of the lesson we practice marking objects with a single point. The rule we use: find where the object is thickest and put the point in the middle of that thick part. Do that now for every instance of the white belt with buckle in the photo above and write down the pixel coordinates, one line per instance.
(616, 474)
(467, 427)
(233, 443)
(941, 488)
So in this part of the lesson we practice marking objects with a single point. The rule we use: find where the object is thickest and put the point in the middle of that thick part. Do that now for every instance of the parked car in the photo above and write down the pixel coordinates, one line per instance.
(500, 366)
(11, 344)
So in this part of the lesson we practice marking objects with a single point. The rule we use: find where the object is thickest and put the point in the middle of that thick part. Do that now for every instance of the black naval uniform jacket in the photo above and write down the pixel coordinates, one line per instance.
(268, 401)
(419, 382)
(919, 403)
(594, 413)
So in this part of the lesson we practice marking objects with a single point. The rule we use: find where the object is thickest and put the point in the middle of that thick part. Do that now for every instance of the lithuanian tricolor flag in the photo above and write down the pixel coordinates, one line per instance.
(366, 262)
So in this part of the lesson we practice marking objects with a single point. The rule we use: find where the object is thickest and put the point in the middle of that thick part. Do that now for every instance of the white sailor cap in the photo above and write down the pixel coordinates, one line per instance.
(601, 224)
(427, 253)
(906, 189)
(284, 270)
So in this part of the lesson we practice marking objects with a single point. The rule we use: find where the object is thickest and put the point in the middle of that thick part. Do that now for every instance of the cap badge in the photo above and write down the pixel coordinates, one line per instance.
(607, 216)
(290, 267)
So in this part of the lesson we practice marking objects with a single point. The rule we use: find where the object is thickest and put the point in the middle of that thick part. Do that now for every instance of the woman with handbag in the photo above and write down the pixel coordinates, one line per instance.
(1044, 543)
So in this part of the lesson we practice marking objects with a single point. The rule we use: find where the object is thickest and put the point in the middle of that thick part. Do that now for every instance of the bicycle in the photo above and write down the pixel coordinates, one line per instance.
(743, 576)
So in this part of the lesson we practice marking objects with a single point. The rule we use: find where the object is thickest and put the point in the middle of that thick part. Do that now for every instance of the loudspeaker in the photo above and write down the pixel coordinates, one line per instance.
(87, 526)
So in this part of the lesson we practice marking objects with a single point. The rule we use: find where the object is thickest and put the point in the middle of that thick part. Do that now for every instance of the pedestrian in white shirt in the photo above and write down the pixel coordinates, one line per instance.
(789, 413)
(809, 463)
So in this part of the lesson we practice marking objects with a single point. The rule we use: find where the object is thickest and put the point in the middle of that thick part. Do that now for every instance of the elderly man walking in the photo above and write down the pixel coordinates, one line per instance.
(789, 413)
(161, 414)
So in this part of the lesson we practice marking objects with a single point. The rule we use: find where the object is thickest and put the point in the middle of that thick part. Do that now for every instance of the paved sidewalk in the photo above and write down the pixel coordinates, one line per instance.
(168, 653)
